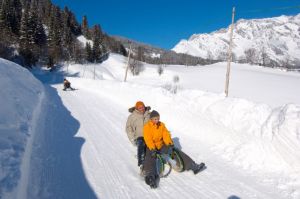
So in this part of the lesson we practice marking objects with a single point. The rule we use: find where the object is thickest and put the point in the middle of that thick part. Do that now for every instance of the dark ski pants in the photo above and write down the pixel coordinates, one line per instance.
(150, 162)
(68, 86)
(141, 150)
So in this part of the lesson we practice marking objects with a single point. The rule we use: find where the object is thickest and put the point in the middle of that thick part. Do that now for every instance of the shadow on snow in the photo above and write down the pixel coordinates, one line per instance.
(57, 170)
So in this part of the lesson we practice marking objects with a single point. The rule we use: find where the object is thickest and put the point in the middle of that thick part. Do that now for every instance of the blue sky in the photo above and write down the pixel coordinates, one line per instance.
(163, 23)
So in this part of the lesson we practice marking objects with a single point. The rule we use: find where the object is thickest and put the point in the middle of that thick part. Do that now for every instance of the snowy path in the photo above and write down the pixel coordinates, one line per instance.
(83, 152)
(56, 170)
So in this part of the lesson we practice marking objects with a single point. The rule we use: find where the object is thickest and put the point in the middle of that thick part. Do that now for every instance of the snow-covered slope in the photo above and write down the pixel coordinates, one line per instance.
(276, 39)
(251, 149)
(83, 40)
(20, 97)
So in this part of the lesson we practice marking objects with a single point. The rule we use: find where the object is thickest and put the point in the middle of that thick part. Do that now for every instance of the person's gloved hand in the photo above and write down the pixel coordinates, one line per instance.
(171, 147)
(154, 152)
(139, 141)
(133, 142)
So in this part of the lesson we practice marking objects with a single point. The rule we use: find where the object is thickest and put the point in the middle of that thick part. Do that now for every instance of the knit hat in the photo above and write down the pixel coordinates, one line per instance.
(139, 103)
(154, 113)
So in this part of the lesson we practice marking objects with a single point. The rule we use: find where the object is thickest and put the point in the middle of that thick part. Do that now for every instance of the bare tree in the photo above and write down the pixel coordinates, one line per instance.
(286, 62)
(250, 55)
(222, 56)
(135, 66)
(265, 60)
(233, 57)
(172, 87)
(160, 70)
(176, 79)
(140, 54)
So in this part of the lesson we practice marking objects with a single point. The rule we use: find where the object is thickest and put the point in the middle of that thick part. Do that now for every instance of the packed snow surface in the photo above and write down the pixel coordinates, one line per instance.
(249, 141)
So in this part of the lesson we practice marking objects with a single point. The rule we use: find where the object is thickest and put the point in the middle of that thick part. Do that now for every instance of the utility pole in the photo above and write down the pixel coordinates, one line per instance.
(94, 69)
(229, 54)
(127, 63)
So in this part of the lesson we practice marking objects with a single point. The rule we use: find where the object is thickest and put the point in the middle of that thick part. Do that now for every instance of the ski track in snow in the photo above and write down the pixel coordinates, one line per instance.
(82, 151)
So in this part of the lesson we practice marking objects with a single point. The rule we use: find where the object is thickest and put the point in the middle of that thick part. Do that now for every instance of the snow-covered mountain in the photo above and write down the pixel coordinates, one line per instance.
(270, 41)
(151, 54)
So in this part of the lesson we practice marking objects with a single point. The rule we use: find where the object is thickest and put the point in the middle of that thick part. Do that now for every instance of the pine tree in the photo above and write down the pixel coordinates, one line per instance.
(79, 54)
(32, 25)
(85, 27)
(96, 43)
(122, 50)
(46, 9)
(24, 43)
(4, 34)
(89, 53)
(10, 16)
(15, 16)
(67, 38)
(24, 39)
(54, 37)
(74, 25)
(40, 37)
(3, 19)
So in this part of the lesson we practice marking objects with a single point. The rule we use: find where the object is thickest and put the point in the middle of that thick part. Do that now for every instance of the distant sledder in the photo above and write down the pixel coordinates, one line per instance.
(67, 85)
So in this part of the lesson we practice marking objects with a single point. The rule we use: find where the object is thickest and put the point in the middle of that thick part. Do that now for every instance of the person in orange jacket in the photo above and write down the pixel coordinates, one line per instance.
(158, 140)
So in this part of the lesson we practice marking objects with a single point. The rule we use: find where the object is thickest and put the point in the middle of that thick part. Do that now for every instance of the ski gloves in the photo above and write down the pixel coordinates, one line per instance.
(171, 148)
(155, 152)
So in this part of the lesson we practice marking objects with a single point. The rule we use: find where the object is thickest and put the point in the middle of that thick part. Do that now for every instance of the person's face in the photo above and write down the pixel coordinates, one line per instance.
(141, 109)
(155, 120)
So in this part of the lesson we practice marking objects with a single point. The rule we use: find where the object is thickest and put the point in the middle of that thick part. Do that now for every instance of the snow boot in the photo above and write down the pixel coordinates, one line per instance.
(151, 181)
(196, 168)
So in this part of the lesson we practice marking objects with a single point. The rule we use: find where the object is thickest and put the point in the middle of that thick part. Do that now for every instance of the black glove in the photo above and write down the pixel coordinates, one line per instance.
(139, 141)
(171, 147)
(154, 152)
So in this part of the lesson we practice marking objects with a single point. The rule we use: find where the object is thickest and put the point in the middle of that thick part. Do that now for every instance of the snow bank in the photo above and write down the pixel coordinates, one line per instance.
(20, 97)
(256, 136)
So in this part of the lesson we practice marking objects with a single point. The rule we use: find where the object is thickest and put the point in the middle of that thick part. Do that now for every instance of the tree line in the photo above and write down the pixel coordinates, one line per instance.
(37, 32)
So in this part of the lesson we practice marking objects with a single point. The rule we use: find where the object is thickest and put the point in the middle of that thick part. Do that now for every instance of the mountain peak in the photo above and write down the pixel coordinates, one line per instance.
(269, 41)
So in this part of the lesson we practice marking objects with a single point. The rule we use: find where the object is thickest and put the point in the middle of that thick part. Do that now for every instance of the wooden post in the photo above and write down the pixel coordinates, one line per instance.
(84, 70)
(127, 64)
(94, 69)
(229, 54)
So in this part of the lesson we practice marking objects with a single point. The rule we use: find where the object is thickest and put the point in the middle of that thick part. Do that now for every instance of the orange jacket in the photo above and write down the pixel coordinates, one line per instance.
(156, 136)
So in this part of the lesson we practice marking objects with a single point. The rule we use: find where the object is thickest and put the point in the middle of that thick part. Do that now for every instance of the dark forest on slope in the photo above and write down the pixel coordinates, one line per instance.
(38, 32)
